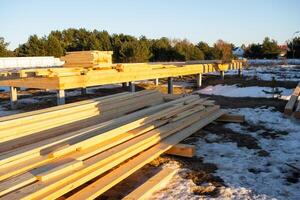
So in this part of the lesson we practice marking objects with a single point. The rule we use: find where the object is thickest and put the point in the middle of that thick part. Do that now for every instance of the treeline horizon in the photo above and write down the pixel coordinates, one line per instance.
(128, 48)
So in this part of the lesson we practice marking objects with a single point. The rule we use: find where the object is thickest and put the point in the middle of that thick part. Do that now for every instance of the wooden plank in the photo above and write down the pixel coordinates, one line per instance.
(109, 180)
(61, 169)
(125, 128)
(297, 111)
(153, 184)
(184, 150)
(16, 182)
(54, 187)
(289, 107)
(30, 149)
(232, 118)
(35, 161)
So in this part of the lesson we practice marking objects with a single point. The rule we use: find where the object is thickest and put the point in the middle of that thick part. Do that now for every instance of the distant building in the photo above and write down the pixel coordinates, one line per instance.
(239, 52)
(283, 50)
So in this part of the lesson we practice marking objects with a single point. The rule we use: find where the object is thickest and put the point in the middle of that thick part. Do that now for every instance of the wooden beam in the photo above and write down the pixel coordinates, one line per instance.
(184, 150)
(289, 107)
(232, 118)
(198, 80)
(153, 184)
(297, 111)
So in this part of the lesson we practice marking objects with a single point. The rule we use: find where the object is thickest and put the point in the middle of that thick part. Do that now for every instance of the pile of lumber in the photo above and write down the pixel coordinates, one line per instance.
(87, 58)
(25, 128)
(85, 163)
(293, 105)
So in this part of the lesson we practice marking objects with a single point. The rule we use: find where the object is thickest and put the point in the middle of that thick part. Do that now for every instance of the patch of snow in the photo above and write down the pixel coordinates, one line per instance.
(279, 72)
(234, 162)
(235, 91)
(5, 112)
(273, 62)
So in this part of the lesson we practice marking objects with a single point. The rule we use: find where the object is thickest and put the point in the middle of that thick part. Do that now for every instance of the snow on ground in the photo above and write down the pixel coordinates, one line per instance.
(279, 72)
(246, 174)
(5, 112)
(273, 62)
(235, 91)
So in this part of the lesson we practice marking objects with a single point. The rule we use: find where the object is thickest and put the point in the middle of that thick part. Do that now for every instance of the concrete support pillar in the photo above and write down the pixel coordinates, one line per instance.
(13, 98)
(198, 80)
(170, 85)
(222, 74)
(240, 72)
(61, 97)
(131, 87)
(83, 91)
(156, 81)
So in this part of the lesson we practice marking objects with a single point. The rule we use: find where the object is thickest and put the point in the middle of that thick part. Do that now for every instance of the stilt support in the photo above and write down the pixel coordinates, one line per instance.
(156, 82)
(131, 87)
(222, 74)
(240, 71)
(170, 85)
(61, 97)
(83, 91)
(13, 98)
(198, 80)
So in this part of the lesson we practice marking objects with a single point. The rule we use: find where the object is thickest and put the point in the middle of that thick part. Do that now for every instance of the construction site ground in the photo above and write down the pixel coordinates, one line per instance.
(262, 151)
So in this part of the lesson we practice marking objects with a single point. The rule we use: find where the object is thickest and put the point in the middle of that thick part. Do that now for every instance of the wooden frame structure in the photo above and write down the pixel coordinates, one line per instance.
(61, 79)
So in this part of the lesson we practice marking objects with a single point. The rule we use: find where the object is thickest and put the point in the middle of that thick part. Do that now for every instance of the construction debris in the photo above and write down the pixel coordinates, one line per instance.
(101, 155)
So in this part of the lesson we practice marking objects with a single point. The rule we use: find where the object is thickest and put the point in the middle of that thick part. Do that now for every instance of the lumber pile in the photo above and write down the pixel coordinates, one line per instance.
(25, 128)
(87, 58)
(85, 163)
(293, 105)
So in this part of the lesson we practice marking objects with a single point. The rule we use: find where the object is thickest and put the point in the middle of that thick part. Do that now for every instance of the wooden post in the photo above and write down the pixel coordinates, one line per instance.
(83, 91)
(156, 82)
(13, 97)
(170, 85)
(222, 74)
(131, 87)
(198, 80)
(60, 97)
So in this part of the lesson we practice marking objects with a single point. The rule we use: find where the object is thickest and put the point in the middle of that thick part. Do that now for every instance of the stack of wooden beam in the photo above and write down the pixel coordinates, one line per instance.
(25, 128)
(293, 105)
(87, 58)
(85, 163)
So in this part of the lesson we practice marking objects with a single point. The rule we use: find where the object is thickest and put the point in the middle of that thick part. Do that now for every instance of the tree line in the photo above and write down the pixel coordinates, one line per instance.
(128, 48)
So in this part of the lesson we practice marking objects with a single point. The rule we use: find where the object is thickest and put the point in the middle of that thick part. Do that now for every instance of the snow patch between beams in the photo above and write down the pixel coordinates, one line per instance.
(235, 91)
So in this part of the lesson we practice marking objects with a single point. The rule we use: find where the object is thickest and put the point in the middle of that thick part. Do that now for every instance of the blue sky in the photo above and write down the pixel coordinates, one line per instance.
(236, 21)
